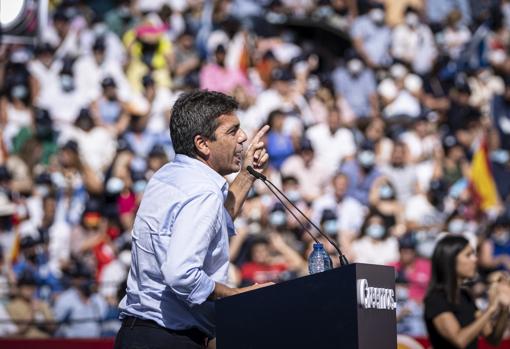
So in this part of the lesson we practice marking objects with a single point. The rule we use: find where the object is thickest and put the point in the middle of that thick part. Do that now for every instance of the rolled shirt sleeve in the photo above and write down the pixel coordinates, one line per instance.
(192, 231)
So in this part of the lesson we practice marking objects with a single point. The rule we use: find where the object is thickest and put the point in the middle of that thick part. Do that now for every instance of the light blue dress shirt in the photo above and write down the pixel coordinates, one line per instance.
(180, 247)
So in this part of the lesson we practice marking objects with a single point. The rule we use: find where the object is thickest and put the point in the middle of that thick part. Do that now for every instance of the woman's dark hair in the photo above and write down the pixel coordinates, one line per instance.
(196, 113)
(444, 266)
(371, 214)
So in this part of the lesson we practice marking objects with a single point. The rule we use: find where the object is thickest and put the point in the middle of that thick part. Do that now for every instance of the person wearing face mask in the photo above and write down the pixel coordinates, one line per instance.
(310, 173)
(33, 316)
(216, 76)
(111, 110)
(357, 85)
(34, 259)
(495, 249)
(371, 37)
(80, 309)
(374, 244)
(401, 174)
(362, 172)
(94, 66)
(350, 212)
(15, 102)
(149, 51)
(271, 260)
(500, 111)
(413, 42)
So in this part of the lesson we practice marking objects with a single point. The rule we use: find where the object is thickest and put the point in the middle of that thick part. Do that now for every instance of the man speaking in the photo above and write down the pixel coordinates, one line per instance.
(179, 258)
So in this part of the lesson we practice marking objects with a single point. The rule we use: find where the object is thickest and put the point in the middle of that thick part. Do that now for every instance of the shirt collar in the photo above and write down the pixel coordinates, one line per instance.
(209, 172)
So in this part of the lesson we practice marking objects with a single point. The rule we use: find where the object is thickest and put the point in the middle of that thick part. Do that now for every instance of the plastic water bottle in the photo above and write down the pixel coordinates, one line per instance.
(319, 260)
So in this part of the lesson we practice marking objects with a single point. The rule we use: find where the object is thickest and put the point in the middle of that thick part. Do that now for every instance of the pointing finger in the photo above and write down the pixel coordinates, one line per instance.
(259, 135)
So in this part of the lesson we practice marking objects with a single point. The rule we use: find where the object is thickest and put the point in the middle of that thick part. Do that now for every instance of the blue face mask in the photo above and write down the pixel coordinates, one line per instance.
(294, 195)
(456, 226)
(385, 192)
(277, 218)
(376, 231)
(500, 156)
(330, 227)
(19, 91)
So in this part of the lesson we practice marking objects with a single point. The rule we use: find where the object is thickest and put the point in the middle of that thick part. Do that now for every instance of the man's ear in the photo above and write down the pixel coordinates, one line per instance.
(202, 146)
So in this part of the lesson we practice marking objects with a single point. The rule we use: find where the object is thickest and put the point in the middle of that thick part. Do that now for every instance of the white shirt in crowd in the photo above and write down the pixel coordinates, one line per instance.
(349, 211)
(366, 250)
(331, 149)
(415, 46)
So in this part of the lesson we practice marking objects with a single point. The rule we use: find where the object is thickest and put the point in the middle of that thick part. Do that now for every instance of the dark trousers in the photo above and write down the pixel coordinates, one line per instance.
(143, 334)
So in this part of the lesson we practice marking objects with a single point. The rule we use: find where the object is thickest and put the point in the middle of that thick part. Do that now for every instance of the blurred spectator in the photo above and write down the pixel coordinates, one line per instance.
(216, 77)
(495, 249)
(33, 259)
(413, 276)
(401, 173)
(122, 17)
(80, 310)
(500, 111)
(371, 37)
(437, 11)
(279, 145)
(7, 233)
(310, 173)
(413, 43)
(362, 173)
(270, 259)
(454, 36)
(110, 110)
(33, 317)
(185, 62)
(149, 51)
(374, 245)
(332, 143)
(356, 83)
(62, 35)
(91, 69)
(74, 180)
(15, 112)
(349, 211)
(94, 141)
(412, 270)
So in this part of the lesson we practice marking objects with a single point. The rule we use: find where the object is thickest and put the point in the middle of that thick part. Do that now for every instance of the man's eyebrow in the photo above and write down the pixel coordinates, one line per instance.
(233, 127)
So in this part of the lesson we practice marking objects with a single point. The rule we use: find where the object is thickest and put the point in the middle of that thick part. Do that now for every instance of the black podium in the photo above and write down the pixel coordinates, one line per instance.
(352, 307)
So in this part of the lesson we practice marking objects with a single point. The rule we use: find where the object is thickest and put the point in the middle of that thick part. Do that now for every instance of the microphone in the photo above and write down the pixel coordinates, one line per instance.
(257, 175)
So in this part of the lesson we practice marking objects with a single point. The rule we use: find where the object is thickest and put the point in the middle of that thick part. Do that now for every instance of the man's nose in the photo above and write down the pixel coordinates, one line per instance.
(242, 136)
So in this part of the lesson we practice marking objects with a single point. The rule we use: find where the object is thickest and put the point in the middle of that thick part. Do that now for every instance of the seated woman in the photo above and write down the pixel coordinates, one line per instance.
(495, 250)
(450, 311)
(271, 260)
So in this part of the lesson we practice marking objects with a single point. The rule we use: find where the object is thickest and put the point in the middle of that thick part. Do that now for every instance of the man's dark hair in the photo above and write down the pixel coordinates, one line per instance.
(196, 113)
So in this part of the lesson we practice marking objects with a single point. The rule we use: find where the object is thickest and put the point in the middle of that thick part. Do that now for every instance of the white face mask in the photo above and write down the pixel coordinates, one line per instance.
(376, 231)
(354, 66)
(376, 15)
(412, 19)
(277, 218)
(502, 239)
(294, 195)
(331, 227)
(456, 226)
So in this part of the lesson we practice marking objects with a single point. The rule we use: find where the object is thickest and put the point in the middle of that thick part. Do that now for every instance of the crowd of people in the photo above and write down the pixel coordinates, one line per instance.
(377, 145)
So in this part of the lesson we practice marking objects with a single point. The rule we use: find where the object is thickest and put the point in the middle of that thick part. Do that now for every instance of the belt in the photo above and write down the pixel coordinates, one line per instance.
(194, 334)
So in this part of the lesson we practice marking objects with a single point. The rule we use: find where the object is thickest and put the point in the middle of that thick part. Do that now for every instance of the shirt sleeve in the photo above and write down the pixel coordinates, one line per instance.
(191, 233)
(436, 304)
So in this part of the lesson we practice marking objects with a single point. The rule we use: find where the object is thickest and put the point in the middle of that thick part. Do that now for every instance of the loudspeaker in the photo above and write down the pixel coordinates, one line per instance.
(20, 20)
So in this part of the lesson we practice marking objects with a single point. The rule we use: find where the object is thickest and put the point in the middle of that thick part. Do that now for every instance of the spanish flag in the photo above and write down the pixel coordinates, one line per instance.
(481, 178)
